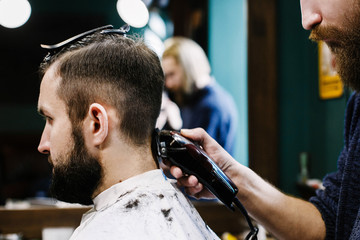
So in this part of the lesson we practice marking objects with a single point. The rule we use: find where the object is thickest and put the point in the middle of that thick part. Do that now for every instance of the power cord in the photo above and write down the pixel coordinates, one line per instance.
(253, 230)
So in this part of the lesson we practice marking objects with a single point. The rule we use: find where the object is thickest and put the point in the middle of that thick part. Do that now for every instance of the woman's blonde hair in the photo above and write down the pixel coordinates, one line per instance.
(193, 61)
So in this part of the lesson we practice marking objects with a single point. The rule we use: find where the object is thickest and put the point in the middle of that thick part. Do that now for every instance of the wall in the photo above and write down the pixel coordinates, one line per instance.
(228, 57)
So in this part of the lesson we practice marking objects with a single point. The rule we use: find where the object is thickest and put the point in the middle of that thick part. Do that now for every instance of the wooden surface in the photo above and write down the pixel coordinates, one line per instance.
(31, 221)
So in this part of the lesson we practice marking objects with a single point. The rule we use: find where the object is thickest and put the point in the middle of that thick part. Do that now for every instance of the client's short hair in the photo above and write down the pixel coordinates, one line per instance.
(114, 70)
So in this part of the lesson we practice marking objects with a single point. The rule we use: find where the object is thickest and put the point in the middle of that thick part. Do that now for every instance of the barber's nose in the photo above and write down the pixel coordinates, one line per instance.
(44, 145)
(310, 14)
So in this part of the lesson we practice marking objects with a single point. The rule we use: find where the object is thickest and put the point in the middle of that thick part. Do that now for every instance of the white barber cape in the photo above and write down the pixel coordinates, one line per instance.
(147, 206)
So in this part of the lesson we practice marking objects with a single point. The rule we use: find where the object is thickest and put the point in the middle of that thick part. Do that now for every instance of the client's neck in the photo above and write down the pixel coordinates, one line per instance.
(124, 162)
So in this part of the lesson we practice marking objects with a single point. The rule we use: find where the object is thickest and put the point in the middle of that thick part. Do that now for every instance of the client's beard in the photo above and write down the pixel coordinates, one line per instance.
(76, 179)
(346, 49)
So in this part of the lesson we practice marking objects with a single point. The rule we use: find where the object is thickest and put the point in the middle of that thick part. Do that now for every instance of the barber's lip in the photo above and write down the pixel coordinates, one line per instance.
(333, 61)
(332, 42)
(328, 41)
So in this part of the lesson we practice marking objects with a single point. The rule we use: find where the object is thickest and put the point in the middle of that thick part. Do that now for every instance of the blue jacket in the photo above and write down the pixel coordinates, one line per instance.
(213, 109)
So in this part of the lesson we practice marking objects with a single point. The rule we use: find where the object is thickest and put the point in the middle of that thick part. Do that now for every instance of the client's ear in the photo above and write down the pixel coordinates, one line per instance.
(98, 123)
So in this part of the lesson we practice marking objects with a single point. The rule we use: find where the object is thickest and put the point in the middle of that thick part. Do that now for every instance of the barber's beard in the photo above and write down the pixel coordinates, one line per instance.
(76, 179)
(345, 48)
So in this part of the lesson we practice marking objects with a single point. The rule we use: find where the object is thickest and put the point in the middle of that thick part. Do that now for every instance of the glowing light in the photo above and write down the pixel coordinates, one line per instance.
(157, 24)
(14, 13)
(154, 42)
(133, 12)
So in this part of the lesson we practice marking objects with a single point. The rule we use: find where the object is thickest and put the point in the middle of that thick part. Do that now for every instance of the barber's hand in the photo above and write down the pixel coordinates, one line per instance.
(216, 153)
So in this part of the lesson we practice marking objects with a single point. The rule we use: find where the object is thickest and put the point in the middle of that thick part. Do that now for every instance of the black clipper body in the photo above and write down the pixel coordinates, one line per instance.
(192, 159)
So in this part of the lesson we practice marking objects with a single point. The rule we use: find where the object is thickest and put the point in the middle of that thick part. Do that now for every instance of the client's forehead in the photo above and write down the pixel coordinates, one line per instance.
(48, 87)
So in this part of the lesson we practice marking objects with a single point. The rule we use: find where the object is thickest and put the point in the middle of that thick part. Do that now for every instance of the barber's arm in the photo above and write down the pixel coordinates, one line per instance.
(284, 216)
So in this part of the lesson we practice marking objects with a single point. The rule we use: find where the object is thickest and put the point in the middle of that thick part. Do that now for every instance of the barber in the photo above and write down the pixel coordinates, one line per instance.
(334, 212)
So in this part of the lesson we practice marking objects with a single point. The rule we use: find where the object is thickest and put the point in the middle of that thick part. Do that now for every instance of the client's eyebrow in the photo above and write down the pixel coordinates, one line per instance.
(43, 111)
(40, 112)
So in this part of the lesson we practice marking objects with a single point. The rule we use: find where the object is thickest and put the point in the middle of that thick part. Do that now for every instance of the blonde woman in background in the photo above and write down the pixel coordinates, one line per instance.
(202, 101)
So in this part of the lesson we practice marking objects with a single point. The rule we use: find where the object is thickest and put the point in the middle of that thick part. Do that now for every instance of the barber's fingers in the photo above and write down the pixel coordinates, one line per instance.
(192, 186)
(185, 181)
(189, 181)
(196, 134)
(176, 172)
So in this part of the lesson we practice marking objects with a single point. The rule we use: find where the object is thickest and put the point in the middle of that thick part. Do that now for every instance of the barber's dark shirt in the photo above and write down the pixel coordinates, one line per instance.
(339, 203)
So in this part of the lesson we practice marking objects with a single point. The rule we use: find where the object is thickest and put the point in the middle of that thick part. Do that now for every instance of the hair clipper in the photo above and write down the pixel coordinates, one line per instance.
(193, 160)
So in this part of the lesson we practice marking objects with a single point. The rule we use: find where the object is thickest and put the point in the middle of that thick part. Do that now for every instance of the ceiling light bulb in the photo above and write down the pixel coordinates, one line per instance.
(14, 13)
(133, 12)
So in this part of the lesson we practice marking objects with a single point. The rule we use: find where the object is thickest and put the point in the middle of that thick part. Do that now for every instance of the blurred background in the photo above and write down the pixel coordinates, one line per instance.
(258, 52)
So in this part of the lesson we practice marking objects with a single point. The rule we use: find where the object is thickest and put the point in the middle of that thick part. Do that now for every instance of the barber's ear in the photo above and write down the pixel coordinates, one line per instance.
(99, 123)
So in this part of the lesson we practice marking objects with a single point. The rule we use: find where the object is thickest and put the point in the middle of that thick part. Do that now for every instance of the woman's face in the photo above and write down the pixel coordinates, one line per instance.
(174, 74)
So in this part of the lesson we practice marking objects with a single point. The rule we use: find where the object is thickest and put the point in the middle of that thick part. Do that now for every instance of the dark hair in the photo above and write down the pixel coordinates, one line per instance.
(112, 70)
